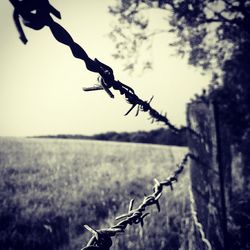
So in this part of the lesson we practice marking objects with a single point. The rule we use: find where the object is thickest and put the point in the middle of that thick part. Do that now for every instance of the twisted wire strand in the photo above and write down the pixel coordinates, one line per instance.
(196, 221)
(42, 18)
(108, 79)
(102, 238)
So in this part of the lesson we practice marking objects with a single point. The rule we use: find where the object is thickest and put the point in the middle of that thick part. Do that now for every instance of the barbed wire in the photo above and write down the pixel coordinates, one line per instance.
(101, 239)
(36, 15)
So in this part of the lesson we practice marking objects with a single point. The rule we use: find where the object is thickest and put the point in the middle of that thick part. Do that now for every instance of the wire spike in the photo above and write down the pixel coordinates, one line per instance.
(138, 110)
(158, 205)
(151, 99)
(142, 218)
(93, 231)
(105, 87)
(121, 216)
(157, 182)
(130, 109)
(94, 88)
(131, 203)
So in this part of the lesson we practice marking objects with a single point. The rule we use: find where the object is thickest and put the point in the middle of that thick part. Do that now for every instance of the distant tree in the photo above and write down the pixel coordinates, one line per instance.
(213, 34)
(235, 95)
(208, 31)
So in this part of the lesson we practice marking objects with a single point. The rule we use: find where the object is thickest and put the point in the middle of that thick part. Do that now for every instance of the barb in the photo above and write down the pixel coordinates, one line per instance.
(102, 238)
(36, 15)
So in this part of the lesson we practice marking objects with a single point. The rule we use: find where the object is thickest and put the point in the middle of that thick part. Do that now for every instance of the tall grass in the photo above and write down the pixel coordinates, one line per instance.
(50, 188)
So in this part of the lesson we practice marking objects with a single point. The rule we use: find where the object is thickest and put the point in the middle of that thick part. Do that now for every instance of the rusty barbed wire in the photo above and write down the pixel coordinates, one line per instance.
(101, 239)
(36, 15)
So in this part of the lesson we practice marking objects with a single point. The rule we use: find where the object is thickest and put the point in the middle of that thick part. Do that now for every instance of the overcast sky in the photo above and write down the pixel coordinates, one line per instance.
(41, 82)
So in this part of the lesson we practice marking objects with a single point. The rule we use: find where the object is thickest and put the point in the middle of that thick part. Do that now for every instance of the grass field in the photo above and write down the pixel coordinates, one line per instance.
(50, 188)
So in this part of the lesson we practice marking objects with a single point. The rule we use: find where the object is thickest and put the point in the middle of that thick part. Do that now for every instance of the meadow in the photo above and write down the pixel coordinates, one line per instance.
(50, 188)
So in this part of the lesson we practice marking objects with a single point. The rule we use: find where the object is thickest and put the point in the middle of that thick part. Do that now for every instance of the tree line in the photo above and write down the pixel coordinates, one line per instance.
(158, 136)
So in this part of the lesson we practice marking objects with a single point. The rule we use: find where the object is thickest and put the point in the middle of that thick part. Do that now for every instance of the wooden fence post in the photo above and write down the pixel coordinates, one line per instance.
(207, 172)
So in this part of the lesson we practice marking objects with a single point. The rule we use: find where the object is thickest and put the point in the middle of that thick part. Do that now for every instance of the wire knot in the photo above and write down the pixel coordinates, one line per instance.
(106, 72)
(35, 15)
(152, 200)
(101, 239)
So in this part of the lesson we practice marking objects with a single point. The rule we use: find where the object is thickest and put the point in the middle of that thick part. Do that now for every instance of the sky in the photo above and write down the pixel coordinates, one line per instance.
(41, 82)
